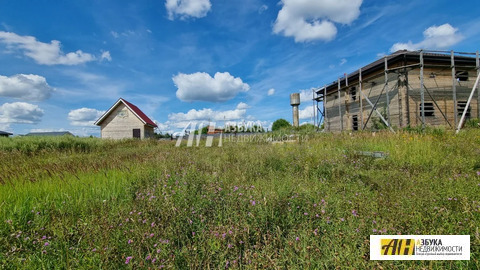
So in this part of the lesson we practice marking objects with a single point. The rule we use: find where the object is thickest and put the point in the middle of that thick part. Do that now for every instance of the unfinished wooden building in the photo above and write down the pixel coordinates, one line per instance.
(406, 88)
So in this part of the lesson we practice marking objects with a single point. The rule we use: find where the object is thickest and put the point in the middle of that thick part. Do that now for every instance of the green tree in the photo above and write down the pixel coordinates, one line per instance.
(279, 124)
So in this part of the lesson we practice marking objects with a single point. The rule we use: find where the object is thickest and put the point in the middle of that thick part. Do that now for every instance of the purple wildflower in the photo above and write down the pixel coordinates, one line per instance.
(127, 261)
(130, 241)
(46, 244)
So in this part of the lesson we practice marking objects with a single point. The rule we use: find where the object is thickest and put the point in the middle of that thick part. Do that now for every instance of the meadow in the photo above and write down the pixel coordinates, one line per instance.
(75, 203)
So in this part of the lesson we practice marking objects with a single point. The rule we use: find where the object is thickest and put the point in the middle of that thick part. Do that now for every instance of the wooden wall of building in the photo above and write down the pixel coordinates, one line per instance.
(120, 124)
(404, 96)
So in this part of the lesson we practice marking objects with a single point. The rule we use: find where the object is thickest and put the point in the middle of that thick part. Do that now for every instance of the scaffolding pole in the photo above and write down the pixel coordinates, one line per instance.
(361, 97)
(454, 89)
(477, 65)
(374, 108)
(325, 109)
(313, 106)
(422, 92)
(467, 105)
(386, 89)
(340, 106)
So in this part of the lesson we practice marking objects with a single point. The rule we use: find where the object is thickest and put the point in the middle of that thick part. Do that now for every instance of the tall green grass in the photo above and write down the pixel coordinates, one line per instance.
(313, 205)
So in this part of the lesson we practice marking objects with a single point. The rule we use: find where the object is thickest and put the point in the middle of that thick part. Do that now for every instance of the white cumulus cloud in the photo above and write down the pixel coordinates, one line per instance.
(44, 53)
(106, 56)
(242, 106)
(84, 116)
(25, 86)
(207, 115)
(306, 95)
(434, 37)
(20, 113)
(306, 113)
(308, 20)
(201, 86)
(271, 92)
(187, 8)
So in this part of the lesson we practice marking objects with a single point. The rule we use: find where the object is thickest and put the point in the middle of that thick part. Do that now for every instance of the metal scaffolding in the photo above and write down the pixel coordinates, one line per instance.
(426, 59)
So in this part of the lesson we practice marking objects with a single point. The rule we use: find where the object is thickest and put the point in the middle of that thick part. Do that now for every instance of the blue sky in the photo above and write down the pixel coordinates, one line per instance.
(65, 62)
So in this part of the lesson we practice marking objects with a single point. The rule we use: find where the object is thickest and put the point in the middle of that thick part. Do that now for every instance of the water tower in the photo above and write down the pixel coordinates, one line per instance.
(295, 101)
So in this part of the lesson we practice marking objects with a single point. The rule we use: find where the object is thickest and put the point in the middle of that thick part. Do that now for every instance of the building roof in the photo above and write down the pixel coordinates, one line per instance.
(401, 56)
(5, 133)
(53, 133)
(144, 118)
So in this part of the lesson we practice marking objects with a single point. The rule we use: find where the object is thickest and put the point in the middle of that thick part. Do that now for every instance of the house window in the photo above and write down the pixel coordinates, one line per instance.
(461, 106)
(462, 75)
(136, 133)
(353, 93)
(355, 122)
(428, 107)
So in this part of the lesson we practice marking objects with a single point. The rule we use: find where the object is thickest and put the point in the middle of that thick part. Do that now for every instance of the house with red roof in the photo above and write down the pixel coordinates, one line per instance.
(124, 120)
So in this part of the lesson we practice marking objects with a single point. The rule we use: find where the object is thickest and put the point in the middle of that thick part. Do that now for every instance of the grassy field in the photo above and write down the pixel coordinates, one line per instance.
(86, 203)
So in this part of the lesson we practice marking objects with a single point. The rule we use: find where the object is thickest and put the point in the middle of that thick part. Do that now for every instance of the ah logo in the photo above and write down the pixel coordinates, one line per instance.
(397, 246)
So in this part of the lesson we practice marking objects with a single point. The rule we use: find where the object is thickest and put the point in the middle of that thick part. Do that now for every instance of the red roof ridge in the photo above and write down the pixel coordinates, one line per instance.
(139, 113)
(143, 117)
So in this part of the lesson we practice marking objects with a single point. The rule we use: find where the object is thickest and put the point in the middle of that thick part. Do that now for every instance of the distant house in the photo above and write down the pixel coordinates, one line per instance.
(5, 134)
(51, 134)
(125, 120)
(213, 130)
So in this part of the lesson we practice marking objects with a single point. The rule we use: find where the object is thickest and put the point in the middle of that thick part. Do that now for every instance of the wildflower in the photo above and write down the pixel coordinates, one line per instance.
(152, 225)
(193, 233)
(478, 173)
(253, 202)
(354, 213)
(158, 250)
(235, 188)
(306, 214)
(127, 261)
(46, 244)
(151, 235)
(93, 250)
(130, 241)
(148, 258)
(342, 219)
(297, 238)
(374, 230)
